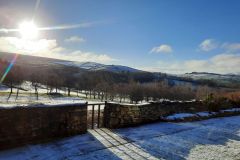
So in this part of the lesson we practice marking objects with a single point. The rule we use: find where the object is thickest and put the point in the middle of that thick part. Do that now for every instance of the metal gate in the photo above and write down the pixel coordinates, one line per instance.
(95, 115)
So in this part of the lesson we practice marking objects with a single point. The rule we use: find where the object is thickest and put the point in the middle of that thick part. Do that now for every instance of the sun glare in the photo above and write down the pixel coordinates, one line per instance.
(28, 30)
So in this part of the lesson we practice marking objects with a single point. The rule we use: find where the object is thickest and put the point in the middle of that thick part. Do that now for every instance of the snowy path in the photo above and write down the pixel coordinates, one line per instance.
(210, 139)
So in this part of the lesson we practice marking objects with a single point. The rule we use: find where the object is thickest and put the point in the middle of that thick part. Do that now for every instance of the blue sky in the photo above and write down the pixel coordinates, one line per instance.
(158, 35)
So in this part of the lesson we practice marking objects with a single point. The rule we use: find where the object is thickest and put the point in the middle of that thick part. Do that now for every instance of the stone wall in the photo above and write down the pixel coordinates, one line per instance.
(119, 115)
(23, 125)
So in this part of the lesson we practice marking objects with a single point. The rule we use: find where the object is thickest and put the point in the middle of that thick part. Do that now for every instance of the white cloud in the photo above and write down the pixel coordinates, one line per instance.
(42, 47)
(90, 56)
(231, 47)
(164, 48)
(227, 62)
(222, 63)
(49, 48)
(208, 45)
(75, 39)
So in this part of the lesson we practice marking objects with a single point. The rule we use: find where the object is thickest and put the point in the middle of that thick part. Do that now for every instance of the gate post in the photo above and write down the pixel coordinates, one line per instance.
(105, 115)
(99, 109)
(86, 115)
(93, 116)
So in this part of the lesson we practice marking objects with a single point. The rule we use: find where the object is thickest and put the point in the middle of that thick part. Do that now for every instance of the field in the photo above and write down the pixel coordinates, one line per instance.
(29, 97)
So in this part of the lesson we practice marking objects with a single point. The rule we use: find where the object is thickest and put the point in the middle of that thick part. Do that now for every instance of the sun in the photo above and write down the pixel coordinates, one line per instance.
(28, 30)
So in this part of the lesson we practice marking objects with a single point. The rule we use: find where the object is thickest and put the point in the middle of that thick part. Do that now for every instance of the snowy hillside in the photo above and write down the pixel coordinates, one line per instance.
(222, 79)
(33, 64)
(205, 75)
(93, 66)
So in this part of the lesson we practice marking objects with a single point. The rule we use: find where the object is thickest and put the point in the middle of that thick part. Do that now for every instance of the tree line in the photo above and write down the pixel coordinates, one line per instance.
(103, 85)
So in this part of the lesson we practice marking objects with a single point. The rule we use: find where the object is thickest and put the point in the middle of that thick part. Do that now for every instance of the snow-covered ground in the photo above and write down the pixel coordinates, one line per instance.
(26, 98)
(210, 139)
(30, 99)
(182, 116)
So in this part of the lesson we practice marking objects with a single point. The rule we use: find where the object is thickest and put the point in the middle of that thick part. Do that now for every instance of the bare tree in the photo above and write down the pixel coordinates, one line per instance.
(136, 92)
(12, 76)
(35, 79)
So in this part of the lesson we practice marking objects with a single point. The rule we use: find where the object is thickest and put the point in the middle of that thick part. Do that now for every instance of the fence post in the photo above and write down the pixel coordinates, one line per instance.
(105, 115)
(86, 115)
(98, 125)
(93, 116)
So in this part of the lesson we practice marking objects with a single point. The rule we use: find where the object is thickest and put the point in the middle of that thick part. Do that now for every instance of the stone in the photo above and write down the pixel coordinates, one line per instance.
(135, 114)
(23, 125)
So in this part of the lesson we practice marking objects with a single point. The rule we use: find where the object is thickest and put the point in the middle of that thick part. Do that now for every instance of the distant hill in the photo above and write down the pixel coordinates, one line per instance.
(229, 80)
(93, 66)
(43, 61)
(33, 64)
(212, 76)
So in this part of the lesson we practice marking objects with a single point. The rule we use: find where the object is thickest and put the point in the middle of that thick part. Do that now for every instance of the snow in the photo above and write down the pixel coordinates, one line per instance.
(180, 116)
(131, 104)
(28, 100)
(204, 114)
(210, 139)
(231, 110)
(97, 66)
(84, 65)
(28, 97)
(211, 76)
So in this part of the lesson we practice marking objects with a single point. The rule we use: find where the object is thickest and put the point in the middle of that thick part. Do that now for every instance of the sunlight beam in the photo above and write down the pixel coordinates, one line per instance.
(71, 26)
(35, 9)
(60, 27)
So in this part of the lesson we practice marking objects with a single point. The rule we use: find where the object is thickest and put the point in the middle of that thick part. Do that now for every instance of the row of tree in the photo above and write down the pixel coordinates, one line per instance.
(101, 85)
(11, 76)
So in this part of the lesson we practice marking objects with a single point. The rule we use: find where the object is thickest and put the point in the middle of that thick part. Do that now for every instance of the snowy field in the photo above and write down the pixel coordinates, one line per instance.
(210, 139)
(30, 100)
(26, 98)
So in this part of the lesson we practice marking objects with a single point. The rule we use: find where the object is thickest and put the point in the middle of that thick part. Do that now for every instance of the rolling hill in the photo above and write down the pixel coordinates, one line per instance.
(93, 66)
(36, 64)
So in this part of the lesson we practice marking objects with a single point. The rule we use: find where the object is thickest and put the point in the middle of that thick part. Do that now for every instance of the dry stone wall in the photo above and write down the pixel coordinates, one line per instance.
(120, 115)
(23, 125)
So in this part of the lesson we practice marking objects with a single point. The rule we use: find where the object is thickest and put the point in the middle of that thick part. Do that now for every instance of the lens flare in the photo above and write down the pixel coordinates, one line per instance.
(9, 68)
